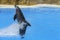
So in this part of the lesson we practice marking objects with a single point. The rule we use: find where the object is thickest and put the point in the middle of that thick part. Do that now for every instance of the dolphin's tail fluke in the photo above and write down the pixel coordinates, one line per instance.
(22, 31)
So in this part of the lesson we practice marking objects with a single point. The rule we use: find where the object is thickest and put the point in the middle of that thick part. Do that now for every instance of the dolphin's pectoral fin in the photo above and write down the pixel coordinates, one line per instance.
(15, 16)
(28, 24)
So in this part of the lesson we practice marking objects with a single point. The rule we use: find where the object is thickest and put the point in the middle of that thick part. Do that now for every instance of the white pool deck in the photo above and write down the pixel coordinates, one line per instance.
(32, 6)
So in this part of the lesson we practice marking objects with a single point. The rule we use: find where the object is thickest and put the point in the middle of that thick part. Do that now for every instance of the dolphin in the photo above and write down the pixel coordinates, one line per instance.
(21, 20)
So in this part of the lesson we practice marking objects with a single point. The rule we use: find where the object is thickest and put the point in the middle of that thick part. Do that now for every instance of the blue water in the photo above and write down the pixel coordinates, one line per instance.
(45, 23)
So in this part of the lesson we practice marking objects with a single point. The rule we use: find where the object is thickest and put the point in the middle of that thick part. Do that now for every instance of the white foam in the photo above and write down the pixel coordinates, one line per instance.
(32, 6)
(11, 30)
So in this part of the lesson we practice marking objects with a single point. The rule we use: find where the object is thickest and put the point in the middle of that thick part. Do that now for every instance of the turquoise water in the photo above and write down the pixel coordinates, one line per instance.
(45, 23)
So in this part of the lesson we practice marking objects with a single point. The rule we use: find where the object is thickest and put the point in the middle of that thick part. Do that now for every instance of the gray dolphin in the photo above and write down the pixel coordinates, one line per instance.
(21, 19)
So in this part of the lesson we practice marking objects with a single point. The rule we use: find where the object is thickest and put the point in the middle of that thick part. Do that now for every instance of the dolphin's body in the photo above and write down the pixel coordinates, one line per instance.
(21, 20)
